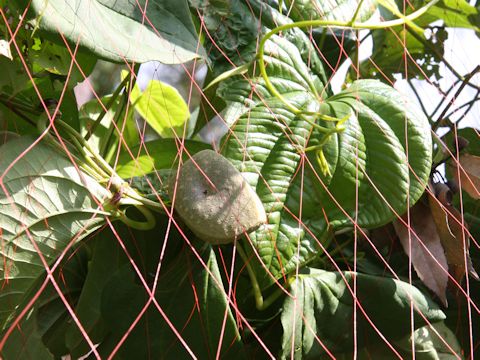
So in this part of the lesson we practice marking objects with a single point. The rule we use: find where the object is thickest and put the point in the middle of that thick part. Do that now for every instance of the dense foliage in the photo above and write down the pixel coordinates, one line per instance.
(359, 241)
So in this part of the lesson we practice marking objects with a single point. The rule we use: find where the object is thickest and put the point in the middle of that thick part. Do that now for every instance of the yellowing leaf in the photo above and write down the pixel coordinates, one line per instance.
(162, 107)
(427, 255)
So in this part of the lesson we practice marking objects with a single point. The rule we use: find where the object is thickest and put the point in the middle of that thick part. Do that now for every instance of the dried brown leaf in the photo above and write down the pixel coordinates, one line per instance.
(427, 254)
(453, 233)
(469, 174)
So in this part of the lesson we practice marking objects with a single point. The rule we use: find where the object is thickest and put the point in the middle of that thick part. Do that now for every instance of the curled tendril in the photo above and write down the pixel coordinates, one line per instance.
(148, 224)
(352, 24)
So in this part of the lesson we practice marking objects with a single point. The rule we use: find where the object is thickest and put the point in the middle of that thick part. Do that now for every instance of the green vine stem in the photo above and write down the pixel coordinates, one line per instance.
(334, 24)
(107, 172)
(83, 145)
(148, 224)
(260, 302)
(120, 118)
(111, 208)
(110, 103)
(89, 166)
(132, 197)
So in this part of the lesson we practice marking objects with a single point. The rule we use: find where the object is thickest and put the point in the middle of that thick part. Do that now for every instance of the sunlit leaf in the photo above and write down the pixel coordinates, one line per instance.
(162, 106)
(454, 13)
(369, 155)
(155, 155)
(372, 175)
(121, 32)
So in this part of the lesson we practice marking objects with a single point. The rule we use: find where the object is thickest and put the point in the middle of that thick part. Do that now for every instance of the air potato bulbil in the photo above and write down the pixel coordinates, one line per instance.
(214, 200)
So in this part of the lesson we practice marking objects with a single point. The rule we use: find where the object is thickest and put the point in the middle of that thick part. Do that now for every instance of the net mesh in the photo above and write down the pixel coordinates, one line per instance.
(365, 250)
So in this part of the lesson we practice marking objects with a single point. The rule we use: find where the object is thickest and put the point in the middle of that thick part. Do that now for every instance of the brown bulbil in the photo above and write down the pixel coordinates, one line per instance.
(214, 200)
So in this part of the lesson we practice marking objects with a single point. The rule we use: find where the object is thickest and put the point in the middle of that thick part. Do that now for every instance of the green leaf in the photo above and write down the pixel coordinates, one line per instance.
(340, 10)
(121, 31)
(233, 32)
(14, 78)
(45, 203)
(162, 106)
(267, 148)
(47, 56)
(106, 258)
(192, 298)
(375, 142)
(271, 18)
(30, 346)
(455, 13)
(44, 326)
(155, 155)
(234, 28)
(321, 308)
(52, 316)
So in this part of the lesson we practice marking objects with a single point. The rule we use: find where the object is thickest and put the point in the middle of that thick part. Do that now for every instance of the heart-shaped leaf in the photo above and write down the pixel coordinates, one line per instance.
(45, 204)
(118, 30)
(162, 107)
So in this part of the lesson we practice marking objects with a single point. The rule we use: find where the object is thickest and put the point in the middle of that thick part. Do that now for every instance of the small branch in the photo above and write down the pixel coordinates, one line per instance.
(148, 224)
(444, 94)
(109, 142)
(460, 89)
(441, 57)
(253, 279)
(468, 104)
